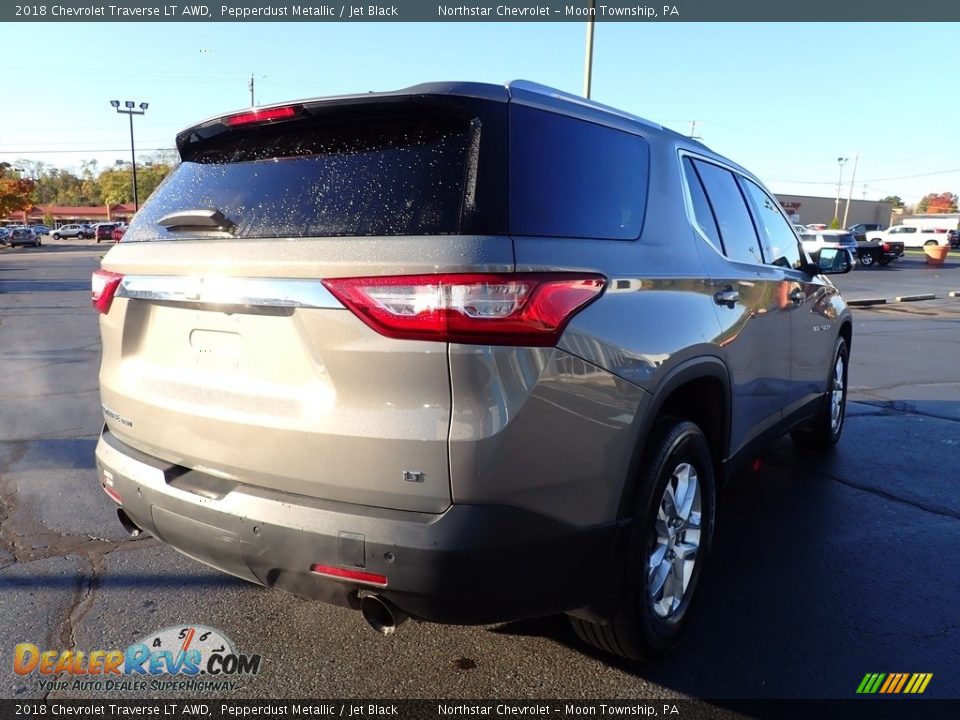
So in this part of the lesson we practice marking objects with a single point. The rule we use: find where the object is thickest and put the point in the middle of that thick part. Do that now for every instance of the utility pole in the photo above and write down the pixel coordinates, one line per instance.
(250, 87)
(846, 211)
(836, 204)
(588, 59)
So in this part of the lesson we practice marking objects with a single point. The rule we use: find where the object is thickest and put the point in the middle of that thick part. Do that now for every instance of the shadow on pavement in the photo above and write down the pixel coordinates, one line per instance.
(36, 286)
(143, 581)
(812, 583)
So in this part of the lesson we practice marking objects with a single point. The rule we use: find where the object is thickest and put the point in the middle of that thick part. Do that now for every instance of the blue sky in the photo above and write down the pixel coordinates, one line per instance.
(784, 100)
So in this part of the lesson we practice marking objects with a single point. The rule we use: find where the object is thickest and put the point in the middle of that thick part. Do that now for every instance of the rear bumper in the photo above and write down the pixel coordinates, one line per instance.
(471, 564)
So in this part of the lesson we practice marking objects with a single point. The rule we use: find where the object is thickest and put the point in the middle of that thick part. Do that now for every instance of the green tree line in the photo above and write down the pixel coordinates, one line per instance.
(92, 185)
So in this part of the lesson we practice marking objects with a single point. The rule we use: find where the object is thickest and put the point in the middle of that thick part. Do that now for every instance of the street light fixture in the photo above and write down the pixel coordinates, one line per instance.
(130, 110)
(836, 206)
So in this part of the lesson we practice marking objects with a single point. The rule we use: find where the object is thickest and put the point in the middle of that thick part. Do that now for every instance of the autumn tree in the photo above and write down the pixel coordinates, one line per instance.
(16, 193)
(116, 184)
(945, 202)
(895, 200)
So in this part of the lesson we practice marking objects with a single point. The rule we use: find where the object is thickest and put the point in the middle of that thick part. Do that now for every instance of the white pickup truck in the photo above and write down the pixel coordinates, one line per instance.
(912, 236)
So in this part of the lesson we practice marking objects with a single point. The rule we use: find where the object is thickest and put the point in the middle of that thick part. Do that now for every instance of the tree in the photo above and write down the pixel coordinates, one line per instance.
(894, 200)
(835, 224)
(945, 202)
(16, 193)
(116, 184)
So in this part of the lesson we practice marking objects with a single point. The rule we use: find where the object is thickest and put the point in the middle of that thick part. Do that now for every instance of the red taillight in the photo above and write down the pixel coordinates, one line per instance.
(886, 247)
(105, 284)
(345, 574)
(517, 309)
(260, 116)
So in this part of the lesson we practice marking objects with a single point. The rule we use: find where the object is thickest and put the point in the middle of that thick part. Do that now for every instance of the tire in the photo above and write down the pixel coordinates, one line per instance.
(866, 259)
(56, 236)
(647, 623)
(825, 429)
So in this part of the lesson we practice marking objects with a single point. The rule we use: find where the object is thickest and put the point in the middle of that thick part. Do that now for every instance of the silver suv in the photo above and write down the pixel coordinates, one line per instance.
(463, 352)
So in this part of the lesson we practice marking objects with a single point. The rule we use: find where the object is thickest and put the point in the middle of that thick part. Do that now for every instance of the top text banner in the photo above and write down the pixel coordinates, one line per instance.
(504, 11)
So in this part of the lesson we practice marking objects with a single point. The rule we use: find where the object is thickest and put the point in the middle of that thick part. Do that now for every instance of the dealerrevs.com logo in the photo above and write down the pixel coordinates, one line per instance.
(192, 657)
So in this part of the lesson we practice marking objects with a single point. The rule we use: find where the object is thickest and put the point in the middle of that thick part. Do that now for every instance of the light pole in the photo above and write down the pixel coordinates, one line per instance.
(130, 111)
(588, 55)
(836, 205)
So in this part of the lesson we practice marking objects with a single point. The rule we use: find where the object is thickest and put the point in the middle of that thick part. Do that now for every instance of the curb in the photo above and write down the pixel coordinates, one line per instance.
(915, 298)
(865, 302)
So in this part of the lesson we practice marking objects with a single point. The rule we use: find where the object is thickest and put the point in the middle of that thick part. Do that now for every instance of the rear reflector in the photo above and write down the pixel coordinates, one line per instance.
(104, 284)
(261, 116)
(529, 309)
(113, 494)
(354, 575)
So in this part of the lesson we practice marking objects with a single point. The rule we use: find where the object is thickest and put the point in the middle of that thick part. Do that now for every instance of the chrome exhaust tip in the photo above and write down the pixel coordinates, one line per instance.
(133, 530)
(382, 615)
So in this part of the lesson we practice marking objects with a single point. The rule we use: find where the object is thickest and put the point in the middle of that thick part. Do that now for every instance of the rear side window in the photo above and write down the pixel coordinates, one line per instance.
(572, 178)
(369, 176)
(701, 206)
(736, 228)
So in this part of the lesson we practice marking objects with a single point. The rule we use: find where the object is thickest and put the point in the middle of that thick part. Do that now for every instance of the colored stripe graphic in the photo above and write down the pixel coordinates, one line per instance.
(894, 683)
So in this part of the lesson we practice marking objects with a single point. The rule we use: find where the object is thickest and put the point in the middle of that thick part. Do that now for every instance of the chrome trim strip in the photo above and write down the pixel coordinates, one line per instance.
(219, 290)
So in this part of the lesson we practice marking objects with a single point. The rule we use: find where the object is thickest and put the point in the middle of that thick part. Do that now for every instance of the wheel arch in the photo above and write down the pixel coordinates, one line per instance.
(697, 390)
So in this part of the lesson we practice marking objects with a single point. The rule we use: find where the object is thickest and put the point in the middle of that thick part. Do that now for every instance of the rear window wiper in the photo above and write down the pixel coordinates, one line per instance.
(203, 219)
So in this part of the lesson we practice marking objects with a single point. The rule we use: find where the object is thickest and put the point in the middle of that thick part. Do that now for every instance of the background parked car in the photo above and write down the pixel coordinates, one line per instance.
(70, 231)
(4, 234)
(103, 231)
(815, 241)
(41, 229)
(816, 226)
(954, 236)
(860, 230)
(912, 236)
(23, 236)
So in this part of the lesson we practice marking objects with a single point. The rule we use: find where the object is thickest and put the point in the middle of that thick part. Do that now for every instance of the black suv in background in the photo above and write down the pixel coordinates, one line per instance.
(860, 230)
(469, 353)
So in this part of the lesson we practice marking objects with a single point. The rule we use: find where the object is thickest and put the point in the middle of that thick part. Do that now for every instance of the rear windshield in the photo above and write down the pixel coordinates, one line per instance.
(467, 166)
(405, 177)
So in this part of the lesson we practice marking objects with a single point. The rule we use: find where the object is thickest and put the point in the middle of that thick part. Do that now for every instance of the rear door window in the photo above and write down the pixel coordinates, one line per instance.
(740, 241)
(703, 215)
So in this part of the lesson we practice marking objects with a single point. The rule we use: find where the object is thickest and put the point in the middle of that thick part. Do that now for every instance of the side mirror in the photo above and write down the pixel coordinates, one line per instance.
(834, 261)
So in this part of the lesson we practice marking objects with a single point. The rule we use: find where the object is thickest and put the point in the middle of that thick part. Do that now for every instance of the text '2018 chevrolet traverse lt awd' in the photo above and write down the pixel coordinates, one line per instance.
(463, 352)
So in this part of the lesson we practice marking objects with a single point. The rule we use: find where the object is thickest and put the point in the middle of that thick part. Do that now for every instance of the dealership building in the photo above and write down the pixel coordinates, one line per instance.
(806, 209)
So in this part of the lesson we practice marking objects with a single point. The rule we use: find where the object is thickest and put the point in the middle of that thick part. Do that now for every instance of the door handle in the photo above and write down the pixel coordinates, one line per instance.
(797, 296)
(728, 296)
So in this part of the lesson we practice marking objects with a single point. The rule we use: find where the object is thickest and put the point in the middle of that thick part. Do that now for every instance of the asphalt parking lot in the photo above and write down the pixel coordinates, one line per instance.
(822, 570)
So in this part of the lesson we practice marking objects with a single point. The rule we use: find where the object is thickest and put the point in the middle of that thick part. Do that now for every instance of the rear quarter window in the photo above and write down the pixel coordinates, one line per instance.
(573, 178)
